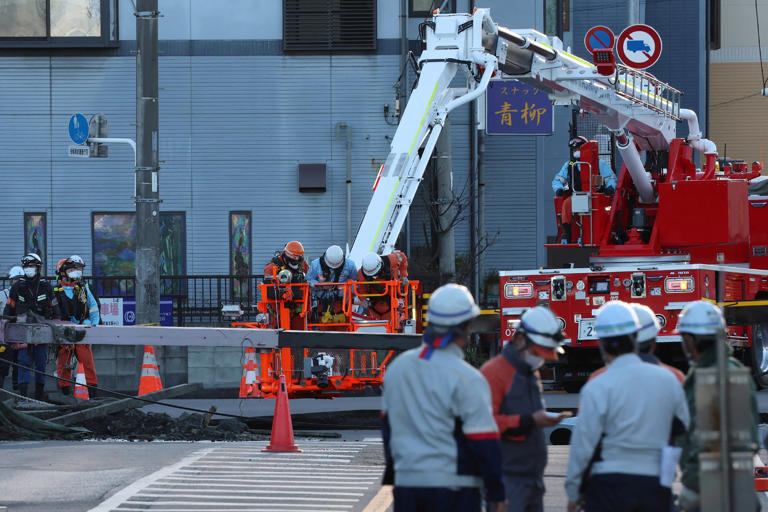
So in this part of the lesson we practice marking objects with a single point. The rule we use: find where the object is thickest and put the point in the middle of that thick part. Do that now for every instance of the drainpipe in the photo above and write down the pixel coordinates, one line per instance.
(348, 136)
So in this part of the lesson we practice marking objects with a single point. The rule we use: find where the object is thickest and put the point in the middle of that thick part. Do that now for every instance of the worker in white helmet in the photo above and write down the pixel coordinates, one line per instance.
(7, 351)
(440, 438)
(330, 268)
(518, 409)
(646, 341)
(626, 417)
(374, 271)
(700, 325)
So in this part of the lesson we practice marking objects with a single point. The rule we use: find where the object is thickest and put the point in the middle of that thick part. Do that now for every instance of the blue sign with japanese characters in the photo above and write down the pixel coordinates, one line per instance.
(514, 108)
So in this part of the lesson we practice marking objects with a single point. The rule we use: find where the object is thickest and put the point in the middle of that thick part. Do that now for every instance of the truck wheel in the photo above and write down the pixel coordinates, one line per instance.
(759, 353)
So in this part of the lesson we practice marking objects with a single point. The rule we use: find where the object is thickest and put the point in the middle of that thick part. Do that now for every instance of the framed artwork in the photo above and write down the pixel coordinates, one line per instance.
(34, 235)
(240, 251)
(173, 243)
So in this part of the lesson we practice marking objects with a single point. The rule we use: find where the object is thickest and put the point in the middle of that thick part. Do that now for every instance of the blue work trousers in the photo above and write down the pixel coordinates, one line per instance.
(437, 499)
(41, 355)
(618, 492)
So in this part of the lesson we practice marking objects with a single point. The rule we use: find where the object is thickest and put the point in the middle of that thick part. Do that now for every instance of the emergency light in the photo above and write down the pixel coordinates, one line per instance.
(678, 284)
(518, 290)
(604, 61)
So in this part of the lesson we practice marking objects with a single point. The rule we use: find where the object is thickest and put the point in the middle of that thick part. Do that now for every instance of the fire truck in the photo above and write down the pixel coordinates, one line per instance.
(673, 232)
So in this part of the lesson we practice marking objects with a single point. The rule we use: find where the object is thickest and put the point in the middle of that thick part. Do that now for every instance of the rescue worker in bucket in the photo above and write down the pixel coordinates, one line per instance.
(330, 268)
(287, 268)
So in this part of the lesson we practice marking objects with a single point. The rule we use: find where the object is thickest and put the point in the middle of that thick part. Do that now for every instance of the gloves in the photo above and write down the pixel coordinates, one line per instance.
(688, 499)
(610, 191)
(404, 280)
(560, 192)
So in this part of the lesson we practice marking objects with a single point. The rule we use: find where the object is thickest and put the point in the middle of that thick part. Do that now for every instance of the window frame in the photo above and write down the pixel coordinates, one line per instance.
(298, 46)
(413, 13)
(563, 20)
(109, 18)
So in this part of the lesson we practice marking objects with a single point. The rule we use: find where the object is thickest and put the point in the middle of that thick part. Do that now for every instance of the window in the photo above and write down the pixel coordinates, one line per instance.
(58, 23)
(557, 17)
(329, 25)
(425, 8)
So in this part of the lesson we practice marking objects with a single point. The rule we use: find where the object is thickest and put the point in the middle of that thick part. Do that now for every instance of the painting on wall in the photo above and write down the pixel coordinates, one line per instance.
(240, 252)
(173, 244)
(114, 244)
(34, 235)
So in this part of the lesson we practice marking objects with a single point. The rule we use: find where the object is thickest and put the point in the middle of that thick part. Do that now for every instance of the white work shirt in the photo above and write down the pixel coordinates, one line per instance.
(633, 403)
(4, 294)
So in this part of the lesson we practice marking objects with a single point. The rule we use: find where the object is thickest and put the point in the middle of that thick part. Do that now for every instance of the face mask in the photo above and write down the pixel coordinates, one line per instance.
(30, 271)
(535, 362)
(75, 274)
(576, 154)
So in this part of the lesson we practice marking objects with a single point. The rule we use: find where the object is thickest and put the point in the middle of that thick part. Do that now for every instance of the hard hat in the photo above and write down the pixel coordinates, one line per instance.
(577, 142)
(15, 272)
(334, 256)
(371, 264)
(450, 305)
(649, 324)
(31, 259)
(60, 265)
(616, 318)
(76, 261)
(700, 318)
(294, 250)
(539, 325)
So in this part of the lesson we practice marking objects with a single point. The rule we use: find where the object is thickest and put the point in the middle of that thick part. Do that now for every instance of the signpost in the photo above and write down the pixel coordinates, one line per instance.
(639, 46)
(78, 129)
(514, 108)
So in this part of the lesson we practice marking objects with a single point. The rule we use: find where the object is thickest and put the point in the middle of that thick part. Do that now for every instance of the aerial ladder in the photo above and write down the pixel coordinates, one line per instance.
(641, 110)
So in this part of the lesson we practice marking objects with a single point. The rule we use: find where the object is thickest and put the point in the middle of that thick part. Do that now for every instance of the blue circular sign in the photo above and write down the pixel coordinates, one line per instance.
(78, 129)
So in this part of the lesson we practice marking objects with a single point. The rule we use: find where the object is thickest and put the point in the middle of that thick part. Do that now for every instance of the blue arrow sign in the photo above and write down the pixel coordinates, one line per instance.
(78, 129)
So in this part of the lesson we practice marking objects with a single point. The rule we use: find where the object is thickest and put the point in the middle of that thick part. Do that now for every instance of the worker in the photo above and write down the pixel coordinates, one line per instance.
(287, 267)
(392, 267)
(627, 417)
(35, 295)
(570, 176)
(441, 443)
(701, 324)
(518, 409)
(7, 352)
(646, 341)
(330, 268)
(78, 305)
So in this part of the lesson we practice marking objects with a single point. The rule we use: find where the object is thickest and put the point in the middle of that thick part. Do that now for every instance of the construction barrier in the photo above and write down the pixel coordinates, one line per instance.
(150, 373)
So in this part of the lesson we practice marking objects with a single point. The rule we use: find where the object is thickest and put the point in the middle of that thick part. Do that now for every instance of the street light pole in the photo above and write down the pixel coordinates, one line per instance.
(147, 190)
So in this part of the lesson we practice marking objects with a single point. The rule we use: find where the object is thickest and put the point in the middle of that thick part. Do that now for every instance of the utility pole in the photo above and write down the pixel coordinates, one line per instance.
(147, 190)
(445, 207)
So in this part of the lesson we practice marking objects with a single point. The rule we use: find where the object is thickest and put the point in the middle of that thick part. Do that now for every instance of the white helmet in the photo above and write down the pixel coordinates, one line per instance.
(371, 264)
(649, 324)
(334, 256)
(701, 318)
(15, 272)
(451, 305)
(539, 325)
(616, 318)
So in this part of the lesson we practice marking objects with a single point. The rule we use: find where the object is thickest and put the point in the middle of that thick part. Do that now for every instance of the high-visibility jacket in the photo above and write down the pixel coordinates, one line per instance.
(277, 264)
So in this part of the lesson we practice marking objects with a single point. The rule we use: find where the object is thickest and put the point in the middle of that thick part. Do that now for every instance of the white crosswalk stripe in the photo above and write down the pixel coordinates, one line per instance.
(325, 476)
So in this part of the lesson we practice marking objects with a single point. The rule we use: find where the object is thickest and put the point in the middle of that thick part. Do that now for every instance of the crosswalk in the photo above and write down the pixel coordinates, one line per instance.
(240, 477)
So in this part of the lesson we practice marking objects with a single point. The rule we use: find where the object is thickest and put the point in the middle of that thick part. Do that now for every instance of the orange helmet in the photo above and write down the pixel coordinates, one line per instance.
(294, 250)
(60, 265)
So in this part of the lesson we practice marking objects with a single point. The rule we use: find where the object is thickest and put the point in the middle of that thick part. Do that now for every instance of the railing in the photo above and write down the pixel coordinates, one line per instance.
(648, 90)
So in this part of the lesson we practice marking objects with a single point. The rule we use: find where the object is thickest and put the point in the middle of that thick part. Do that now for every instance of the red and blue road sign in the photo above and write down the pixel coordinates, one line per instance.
(639, 46)
(599, 38)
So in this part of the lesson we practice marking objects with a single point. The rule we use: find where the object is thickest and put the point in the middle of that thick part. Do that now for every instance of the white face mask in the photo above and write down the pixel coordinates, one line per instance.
(75, 274)
(30, 271)
(535, 362)
(576, 154)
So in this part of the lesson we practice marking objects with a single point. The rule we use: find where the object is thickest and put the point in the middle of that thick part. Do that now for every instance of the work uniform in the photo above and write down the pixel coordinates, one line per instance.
(626, 417)
(689, 460)
(564, 181)
(327, 300)
(650, 359)
(439, 434)
(394, 267)
(78, 305)
(34, 295)
(7, 350)
(515, 396)
(294, 294)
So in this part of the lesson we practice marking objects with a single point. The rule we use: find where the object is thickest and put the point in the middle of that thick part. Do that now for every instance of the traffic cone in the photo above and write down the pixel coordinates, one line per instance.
(150, 374)
(249, 385)
(281, 439)
(81, 390)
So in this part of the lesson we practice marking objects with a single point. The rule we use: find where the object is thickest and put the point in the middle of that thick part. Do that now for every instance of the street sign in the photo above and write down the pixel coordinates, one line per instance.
(515, 108)
(639, 46)
(78, 129)
(599, 38)
(79, 151)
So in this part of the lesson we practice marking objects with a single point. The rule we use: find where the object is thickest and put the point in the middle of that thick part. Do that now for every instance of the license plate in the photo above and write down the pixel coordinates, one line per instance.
(587, 329)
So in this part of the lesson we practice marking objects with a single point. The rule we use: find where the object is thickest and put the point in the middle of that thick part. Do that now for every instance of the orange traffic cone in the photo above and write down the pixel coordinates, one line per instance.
(281, 439)
(249, 385)
(150, 374)
(81, 390)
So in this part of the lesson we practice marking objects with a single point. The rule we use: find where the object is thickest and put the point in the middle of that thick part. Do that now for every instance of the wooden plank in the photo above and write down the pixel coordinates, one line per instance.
(125, 404)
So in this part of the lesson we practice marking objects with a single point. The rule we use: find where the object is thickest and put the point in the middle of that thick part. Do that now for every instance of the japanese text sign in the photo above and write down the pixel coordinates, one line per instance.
(514, 108)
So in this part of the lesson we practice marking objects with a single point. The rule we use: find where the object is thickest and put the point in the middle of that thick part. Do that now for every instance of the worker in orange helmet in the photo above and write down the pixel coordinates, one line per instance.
(78, 304)
(375, 268)
(287, 267)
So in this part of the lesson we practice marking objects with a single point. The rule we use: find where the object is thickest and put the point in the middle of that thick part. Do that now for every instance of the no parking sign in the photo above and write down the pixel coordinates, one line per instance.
(639, 46)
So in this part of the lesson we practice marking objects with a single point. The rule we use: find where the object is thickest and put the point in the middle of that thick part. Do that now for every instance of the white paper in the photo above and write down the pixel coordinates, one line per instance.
(670, 456)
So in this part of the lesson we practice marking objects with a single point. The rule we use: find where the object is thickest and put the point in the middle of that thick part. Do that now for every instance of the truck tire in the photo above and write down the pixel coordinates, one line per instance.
(759, 354)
